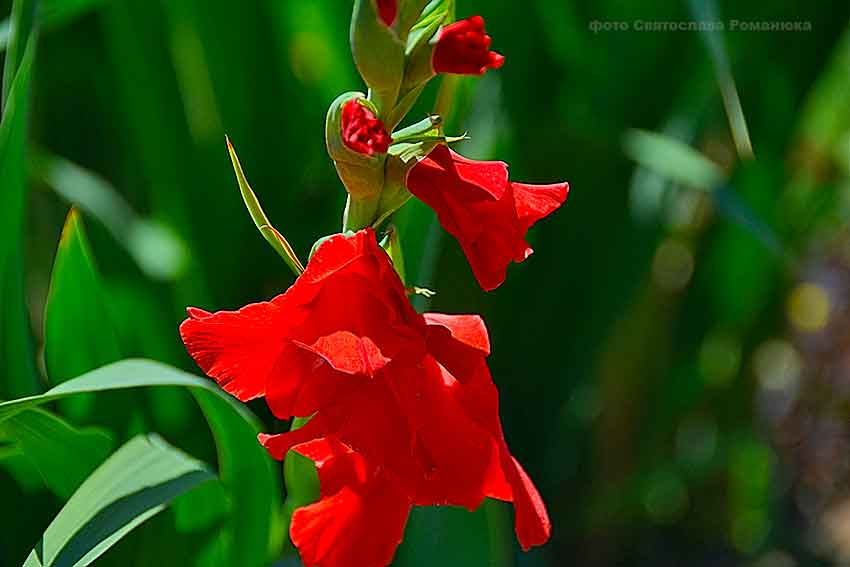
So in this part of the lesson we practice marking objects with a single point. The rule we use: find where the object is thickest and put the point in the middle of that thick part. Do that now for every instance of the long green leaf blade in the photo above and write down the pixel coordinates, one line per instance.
(15, 343)
(134, 484)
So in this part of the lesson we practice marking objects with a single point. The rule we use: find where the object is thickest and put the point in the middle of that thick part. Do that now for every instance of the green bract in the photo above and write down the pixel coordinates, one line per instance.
(369, 38)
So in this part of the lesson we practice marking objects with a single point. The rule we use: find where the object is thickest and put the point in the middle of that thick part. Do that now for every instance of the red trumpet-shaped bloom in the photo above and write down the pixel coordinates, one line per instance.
(486, 212)
(404, 410)
(464, 48)
(362, 131)
(387, 11)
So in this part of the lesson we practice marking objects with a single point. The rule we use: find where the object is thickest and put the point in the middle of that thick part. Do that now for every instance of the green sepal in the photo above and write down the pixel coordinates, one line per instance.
(391, 243)
(436, 14)
(419, 48)
(395, 193)
(417, 141)
(378, 54)
(270, 233)
(403, 105)
(409, 12)
(428, 125)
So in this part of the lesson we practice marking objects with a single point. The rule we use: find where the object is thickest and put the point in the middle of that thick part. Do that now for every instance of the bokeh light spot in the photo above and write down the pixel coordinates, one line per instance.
(309, 56)
(808, 307)
(777, 365)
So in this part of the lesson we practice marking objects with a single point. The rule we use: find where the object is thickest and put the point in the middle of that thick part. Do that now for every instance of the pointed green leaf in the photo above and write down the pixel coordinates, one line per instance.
(78, 335)
(134, 484)
(62, 454)
(270, 233)
(15, 343)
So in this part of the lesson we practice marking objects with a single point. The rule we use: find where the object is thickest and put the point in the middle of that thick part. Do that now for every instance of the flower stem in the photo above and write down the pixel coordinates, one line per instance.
(359, 213)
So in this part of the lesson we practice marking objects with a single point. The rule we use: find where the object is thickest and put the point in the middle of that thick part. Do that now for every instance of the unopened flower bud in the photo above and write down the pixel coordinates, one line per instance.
(357, 142)
(362, 131)
(378, 52)
(464, 48)
(461, 48)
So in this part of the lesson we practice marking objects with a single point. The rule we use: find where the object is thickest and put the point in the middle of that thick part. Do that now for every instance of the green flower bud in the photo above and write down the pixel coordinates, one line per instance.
(357, 143)
(378, 54)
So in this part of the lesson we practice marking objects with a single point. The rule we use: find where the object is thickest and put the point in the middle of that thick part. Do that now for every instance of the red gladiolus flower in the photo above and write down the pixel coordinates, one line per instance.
(464, 48)
(387, 11)
(362, 131)
(488, 214)
(404, 410)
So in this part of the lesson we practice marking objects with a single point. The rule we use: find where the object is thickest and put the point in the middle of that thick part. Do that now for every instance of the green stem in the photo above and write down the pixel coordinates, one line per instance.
(359, 213)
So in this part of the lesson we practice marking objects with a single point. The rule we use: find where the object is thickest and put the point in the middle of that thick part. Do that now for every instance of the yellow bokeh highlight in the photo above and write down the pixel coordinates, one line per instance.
(808, 307)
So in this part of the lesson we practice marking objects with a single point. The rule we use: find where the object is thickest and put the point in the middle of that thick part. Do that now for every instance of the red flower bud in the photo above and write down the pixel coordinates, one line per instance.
(387, 10)
(362, 131)
(464, 48)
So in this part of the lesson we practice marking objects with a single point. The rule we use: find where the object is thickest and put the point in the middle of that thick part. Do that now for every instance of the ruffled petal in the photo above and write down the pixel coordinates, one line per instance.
(360, 517)
(349, 353)
(306, 381)
(478, 400)
(238, 349)
(534, 202)
(466, 329)
(279, 444)
(531, 520)
(456, 453)
(310, 377)
(478, 205)
(336, 253)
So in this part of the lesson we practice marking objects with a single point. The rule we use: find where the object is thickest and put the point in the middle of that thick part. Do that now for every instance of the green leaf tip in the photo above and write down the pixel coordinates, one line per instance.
(261, 221)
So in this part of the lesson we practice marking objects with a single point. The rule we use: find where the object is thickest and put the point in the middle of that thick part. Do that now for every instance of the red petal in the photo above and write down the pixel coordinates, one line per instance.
(458, 455)
(533, 202)
(349, 353)
(387, 10)
(531, 521)
(464, 47)
(361, 516)
(336, 253)
(279, 444)
(305, 382)
(237, 348)
(361, 130)
(467, 329)
(489, 176)
(479, 400)
(477, 204)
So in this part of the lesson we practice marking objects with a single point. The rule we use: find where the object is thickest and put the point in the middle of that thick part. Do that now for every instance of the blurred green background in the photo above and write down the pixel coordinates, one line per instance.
(674, 359)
